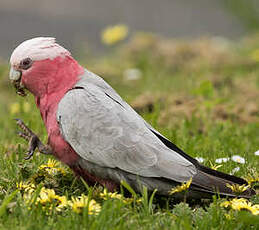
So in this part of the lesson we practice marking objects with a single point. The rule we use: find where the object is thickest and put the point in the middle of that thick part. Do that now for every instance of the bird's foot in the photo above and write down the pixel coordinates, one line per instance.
(34, 141)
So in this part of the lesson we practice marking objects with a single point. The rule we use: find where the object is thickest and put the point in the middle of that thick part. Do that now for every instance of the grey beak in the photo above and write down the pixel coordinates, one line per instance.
(14, 75)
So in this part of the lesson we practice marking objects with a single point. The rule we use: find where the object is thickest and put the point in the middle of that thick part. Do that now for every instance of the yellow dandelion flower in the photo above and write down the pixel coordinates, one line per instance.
(48, 198)
(225, 204)
(52, 167)
(251, 179)
(55, 171)
(255, 55)
(214, 166)
(46, 195)
(182, 187)
(50, 164)
(26, 186)
(131, 200)
(255, 209)
(241, 204)
(62, 202)
(22, 185)
(94, 208)
(128, 200)
(26, 107)
(113, 195)
(78, 203)
(236, 188)
(114, 34)
(14, 108)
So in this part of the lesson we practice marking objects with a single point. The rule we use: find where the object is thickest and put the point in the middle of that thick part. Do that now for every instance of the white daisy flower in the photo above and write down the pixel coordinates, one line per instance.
(234, 170)
(200, 159)
(132, 74)
(222, 160)
(257, 153)
(238, 159)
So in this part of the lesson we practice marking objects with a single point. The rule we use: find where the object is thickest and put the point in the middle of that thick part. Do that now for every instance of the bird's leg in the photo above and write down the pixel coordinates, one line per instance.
(34, 141)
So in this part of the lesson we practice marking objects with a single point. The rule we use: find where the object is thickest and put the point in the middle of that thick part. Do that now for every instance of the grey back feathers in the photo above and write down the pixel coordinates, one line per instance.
(105, 130)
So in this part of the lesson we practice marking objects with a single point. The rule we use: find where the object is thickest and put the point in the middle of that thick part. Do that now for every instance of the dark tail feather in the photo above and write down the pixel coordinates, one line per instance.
(214, 181)
(208, 180)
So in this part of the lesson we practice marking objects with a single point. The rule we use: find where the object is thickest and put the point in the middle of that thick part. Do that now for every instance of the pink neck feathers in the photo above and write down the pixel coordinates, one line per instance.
(53, 79)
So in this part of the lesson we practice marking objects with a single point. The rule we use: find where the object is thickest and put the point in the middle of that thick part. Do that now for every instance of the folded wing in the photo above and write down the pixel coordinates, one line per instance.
(105, 130)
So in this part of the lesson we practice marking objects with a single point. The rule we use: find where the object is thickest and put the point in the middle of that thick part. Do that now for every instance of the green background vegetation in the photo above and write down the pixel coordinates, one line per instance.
(202, 94)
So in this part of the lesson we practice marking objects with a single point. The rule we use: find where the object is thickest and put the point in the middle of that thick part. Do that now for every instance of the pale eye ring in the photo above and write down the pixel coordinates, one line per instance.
(26, 63)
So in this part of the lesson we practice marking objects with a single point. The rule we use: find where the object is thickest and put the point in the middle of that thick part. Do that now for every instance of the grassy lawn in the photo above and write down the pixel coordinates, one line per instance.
(201, 94)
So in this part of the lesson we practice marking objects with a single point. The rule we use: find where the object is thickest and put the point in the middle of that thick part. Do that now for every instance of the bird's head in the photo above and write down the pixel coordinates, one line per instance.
(41, 66)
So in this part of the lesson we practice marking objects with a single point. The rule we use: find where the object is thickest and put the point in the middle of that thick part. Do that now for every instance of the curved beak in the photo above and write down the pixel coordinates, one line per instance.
(15, 76)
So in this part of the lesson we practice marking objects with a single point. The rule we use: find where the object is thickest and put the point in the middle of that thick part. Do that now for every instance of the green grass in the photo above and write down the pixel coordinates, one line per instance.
(202, 95)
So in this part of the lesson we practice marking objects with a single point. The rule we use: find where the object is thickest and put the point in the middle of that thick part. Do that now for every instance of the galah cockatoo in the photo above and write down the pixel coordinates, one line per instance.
(96, 133)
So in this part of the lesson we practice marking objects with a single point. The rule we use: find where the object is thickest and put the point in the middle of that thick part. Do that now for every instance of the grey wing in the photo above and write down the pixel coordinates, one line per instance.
(94, 79)
(104, 130)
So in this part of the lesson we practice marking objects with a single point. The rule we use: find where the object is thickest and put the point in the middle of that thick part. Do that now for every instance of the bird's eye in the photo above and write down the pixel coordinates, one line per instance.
(26, 63)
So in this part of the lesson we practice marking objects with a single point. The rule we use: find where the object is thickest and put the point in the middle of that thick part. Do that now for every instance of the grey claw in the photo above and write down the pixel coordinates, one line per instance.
(29, 155)
(19, 121)
(23, 135)
(21, 124)
(28, 135)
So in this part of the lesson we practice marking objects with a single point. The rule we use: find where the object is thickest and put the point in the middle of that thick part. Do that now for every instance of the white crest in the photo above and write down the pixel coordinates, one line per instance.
(37, 49)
